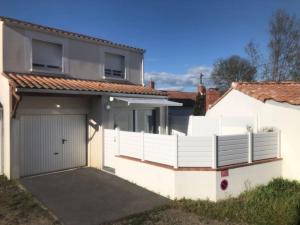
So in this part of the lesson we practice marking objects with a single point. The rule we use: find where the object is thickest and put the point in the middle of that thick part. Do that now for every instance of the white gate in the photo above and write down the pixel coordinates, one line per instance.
(52, 142)
(110, 147)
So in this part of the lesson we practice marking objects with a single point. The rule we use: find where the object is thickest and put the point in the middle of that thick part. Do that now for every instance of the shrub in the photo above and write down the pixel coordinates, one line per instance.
(277, 203)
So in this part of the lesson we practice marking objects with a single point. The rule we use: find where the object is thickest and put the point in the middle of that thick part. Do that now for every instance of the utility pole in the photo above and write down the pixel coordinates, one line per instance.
(201, 77)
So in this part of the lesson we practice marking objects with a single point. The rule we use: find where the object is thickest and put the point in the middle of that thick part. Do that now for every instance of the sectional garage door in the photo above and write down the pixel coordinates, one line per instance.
(52, 143)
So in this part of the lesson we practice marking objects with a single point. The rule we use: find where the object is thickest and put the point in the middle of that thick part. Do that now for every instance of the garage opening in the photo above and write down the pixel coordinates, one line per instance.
(52, 143)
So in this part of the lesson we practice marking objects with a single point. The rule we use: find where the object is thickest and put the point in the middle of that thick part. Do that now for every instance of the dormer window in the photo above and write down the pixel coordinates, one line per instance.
(114, 66)
(46, 56)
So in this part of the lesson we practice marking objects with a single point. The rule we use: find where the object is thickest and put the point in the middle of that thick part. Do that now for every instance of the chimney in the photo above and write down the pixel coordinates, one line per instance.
(151, 84)
(201, 89)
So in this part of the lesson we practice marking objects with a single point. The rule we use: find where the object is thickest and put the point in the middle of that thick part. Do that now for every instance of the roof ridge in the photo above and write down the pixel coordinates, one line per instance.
(235, 84)
(70, 33)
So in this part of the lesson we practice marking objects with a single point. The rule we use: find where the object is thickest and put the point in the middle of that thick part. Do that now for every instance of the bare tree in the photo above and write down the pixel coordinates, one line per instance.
(234, 68)
(255, 58)
(284, 47)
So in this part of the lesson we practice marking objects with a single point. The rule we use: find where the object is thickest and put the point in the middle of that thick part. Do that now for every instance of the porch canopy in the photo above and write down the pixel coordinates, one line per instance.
(148, 101)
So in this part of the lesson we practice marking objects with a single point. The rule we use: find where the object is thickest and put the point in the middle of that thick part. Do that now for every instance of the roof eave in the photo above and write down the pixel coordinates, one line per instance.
(69, 34)
(95, 93)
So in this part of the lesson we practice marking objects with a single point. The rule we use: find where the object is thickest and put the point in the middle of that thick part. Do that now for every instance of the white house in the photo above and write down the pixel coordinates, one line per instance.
(70, 100)
(59, 89)
(271, 105)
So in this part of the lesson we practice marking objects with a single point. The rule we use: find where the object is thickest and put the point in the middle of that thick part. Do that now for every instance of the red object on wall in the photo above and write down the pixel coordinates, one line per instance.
(224, 185)
(224, 173)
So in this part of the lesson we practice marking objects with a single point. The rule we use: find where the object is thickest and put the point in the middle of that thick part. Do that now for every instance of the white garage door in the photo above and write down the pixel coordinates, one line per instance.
(52, 143)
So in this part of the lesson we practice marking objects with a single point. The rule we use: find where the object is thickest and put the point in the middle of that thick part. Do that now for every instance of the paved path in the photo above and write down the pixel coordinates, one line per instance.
(88, 196)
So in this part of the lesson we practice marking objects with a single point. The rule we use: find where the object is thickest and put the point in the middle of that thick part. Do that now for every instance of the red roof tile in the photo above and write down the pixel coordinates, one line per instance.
(37, 82)
(182, 95)
(288, 91)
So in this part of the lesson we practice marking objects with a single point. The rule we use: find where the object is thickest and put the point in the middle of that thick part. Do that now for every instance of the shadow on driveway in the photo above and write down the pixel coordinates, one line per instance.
(89, 196)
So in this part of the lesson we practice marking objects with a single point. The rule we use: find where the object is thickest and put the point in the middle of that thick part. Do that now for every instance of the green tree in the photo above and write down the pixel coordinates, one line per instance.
(199, 107)
(232, 69)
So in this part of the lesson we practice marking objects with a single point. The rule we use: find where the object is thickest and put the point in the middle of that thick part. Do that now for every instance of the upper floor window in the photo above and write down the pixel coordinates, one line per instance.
(46, 56)
(114, 65)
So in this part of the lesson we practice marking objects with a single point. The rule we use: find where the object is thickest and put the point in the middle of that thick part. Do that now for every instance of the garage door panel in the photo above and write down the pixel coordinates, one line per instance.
(74, 132)
(42, 149)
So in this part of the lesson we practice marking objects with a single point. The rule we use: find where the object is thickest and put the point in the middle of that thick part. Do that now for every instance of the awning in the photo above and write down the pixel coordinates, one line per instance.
(149, 101)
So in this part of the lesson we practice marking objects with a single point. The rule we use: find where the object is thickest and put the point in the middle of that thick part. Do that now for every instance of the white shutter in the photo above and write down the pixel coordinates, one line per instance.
(114, 64)
(46, 54)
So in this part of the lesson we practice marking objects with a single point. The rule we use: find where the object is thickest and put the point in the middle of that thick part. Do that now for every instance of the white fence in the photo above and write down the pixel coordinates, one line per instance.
(191, 151)
(232, 149)
(265, 145)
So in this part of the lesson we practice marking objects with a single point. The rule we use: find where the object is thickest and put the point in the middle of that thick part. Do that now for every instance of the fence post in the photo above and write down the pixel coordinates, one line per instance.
(250, 147)
(214, 152)
(118, 140)
(278, 144)
(176, 151)
(103, 146)
(143, 149)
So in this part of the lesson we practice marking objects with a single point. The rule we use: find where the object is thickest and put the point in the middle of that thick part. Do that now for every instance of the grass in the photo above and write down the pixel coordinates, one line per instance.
(277, 203)
(18, 207)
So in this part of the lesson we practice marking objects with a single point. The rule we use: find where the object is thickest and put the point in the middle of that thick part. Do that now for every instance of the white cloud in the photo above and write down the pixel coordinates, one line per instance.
(186, 81)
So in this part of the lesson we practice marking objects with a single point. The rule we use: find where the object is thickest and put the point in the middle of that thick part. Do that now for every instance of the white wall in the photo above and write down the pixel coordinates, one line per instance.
(1, 141)
(5, 100)
(220, 125)
(195, 185)
(203, 126)
(244, 178)
(287, 119)
(81, 59)
(153, 178)
(1, 46)
(235, 103)
(282, 116)
(95, 134)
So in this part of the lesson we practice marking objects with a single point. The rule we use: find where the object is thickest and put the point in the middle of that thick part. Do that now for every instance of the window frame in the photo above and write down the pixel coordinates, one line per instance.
(32, 69)
(115, 77)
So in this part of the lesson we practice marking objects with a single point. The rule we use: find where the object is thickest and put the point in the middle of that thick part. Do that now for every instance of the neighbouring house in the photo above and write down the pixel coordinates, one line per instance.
(60, 89)
(270, 106)
(179, 115)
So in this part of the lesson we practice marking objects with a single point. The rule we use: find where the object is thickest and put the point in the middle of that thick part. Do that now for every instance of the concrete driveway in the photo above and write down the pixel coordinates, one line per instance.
(89, 196)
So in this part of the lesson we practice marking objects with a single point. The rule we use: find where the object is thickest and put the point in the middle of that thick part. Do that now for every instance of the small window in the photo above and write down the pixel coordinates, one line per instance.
(114, 66)
(46, 56)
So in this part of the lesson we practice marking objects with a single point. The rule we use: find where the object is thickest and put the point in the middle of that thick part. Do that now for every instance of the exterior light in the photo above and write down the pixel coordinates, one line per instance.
(107, 106)
(57, 106)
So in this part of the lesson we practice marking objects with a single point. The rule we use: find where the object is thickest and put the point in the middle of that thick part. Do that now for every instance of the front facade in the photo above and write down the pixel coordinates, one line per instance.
(60, 89)
(272, 106)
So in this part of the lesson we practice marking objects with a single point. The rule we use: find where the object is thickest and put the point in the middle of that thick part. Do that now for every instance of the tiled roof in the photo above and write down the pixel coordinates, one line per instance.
(66, 33)
(182, 95)
(212, 95)
(39, 82)
(186, 98)
(288, 91)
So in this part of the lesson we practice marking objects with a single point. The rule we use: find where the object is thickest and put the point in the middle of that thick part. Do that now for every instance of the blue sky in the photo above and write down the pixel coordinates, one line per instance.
(182, 38)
